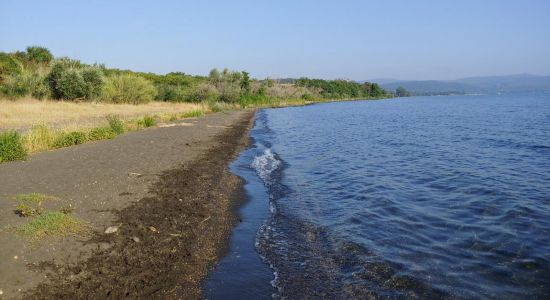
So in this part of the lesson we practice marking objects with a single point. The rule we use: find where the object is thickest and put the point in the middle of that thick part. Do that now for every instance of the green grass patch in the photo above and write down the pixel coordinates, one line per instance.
(115, 124)
(52, 224)
(173, 117)
(30, 204)
(147, 121)
(44, 223)
(193, 114)
(39, 138)
(11, 147)
(67, 139)
(101, 133)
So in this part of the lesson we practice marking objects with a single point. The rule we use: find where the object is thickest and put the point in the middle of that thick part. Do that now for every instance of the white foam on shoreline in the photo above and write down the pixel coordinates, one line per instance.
(265, 165)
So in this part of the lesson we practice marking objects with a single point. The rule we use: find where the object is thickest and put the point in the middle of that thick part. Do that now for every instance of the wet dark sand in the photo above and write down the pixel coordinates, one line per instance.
(175, 179)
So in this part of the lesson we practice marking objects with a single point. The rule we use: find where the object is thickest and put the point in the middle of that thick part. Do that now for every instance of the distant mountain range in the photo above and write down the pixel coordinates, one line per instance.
(487, 84)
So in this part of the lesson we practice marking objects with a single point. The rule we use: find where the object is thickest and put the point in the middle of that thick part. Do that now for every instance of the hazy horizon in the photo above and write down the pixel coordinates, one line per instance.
(426, 40)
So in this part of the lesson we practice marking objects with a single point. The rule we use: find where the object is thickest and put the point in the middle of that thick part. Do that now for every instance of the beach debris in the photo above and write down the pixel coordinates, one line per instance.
(134, 174)
(111, 229)
(153, 229)
(136, 239)
(16, 257)
(1, 292)
(176, 234)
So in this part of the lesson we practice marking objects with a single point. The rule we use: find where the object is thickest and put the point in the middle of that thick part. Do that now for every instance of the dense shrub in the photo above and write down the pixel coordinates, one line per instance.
(40, 89)
(9, 65)
(207, 92)
(70, 80)
(170, 93)
(101, 133)
(127, 88)
(39, 54)
(19, 85)
(69, 139)
(93, 77)
(308, 97)
(115, 124)
(341, 88)
(15, 86)
(11, 147)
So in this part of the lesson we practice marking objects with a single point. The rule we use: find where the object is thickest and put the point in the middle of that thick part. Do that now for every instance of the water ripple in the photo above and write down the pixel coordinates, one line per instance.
(442, 197)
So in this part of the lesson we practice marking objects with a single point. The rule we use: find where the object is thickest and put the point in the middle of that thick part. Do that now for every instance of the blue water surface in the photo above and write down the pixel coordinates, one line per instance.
(420, 197)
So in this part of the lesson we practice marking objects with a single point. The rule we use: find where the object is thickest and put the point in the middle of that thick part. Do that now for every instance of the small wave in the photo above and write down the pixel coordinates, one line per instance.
(266, 164)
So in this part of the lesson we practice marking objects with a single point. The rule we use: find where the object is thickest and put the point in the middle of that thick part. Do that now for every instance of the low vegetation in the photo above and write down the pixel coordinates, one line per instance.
(36, 72)
(46, 223)
(52, 224)
(79, 102)
(128, 88)
(66, 139)
(30, 205)
(147, 121)
(11, 147)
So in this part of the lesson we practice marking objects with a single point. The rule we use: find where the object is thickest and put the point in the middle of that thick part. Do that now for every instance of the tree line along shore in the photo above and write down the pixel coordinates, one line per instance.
(99, 100)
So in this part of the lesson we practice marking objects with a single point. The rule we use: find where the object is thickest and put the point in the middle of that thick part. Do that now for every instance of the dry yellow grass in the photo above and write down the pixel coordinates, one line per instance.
(23, 114)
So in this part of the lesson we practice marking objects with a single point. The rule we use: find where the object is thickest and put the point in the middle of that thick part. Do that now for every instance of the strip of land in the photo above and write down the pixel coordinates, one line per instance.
(167, 193)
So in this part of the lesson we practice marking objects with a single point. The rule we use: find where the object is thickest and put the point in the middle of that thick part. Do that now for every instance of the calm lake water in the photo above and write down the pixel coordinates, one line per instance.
(421, 197)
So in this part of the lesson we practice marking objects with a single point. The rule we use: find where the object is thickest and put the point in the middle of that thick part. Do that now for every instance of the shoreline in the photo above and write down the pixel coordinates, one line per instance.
(174, 227)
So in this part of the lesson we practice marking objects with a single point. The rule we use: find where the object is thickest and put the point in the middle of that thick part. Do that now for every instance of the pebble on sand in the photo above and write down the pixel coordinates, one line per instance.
(111, 229)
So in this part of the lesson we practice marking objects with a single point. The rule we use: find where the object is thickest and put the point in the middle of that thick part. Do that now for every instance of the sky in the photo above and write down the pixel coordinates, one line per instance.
(357, 40)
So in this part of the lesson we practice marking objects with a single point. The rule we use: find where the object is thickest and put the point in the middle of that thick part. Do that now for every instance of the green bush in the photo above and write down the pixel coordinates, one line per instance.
(93, 77)
(115, 124)
(68, 79)
(101, 133)
(69, 139)
(39, 54)
(147, 121)
(15, 86)
(308, 97)
(170, 93)
(128, 88)
(11, 147)
(9, 65)
(40, 89)
(19, 85)
(251, 99)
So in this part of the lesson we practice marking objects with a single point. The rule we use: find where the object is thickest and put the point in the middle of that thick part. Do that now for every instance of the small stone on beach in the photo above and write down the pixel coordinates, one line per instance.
(111, 229)
(153, 229)
(136, 239)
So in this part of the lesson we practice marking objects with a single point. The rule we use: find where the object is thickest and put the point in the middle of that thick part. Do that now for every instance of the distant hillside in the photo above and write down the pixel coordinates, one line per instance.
(488, 84)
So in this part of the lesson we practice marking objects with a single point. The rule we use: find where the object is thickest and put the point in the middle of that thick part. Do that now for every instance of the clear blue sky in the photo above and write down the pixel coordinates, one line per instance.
(439, 39)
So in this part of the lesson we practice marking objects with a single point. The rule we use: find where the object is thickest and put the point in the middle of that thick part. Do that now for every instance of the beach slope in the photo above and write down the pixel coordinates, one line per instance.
(167, 191)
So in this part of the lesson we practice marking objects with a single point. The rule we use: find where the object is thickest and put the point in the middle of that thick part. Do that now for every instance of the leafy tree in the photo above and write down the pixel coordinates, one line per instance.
(245, 82)
(376, 90)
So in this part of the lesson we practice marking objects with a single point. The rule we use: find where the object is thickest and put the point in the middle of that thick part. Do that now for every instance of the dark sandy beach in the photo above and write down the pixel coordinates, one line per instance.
(169, 192)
